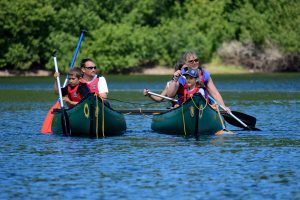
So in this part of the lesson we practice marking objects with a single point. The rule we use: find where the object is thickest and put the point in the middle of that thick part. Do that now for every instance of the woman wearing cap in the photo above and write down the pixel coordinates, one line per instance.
(191, 60)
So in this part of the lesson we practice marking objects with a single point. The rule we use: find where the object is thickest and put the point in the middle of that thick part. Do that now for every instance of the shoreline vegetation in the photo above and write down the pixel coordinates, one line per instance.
(156, 70)
(127, 36)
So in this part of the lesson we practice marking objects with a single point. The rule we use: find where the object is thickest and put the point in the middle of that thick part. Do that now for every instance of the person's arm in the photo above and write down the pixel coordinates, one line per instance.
(155, 98)
(55, 75)
(64, 91)
(83, 90)
(213, 91)
(173, 85)
(68, 101)
(102, 87)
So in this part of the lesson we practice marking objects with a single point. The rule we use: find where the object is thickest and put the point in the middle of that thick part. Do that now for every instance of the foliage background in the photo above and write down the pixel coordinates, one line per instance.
(124, 35)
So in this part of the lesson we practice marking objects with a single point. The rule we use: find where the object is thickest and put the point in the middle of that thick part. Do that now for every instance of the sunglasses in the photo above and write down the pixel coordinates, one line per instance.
(90, 68)
(196, 60)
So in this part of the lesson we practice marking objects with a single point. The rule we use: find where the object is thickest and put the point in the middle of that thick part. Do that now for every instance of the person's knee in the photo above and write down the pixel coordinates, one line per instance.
(172, 88)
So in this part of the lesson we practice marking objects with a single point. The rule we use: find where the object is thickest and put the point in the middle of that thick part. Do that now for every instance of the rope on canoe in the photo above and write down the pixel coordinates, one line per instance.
(224, 130)
(221, 120)
(96, 115)
(199, 108)
(103, 135)
(206, 102)
(183, 120)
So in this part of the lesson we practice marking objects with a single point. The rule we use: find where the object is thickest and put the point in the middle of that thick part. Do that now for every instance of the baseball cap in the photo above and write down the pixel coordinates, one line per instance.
(191, 72)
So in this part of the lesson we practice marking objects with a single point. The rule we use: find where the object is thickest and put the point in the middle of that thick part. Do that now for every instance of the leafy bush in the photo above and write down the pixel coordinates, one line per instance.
(124, 35)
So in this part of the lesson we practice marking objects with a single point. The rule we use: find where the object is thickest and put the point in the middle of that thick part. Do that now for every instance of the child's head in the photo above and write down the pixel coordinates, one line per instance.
(191, 76)
(74, 76)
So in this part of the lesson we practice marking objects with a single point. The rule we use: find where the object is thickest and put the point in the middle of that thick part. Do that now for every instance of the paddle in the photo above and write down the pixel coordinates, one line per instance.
(247, 119)
(243, 121)
(64, 115)
(168, 98)
(46, 128)
(142, 111)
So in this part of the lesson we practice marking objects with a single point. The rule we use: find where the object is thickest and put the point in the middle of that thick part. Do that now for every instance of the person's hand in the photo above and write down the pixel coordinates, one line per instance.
(176, 75)
(175, 106)
(214, 106)
(146, 92)
(56, 74)
(227, 109)
(66, 99)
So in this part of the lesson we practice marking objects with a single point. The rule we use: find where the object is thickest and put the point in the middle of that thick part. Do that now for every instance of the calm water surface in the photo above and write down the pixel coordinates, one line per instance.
(143, 164)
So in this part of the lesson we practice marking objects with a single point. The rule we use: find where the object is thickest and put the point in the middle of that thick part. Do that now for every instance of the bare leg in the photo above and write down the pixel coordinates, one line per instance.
(171, 88)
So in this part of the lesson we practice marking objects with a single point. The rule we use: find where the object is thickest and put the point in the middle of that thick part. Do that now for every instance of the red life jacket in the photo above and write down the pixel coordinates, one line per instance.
(188, 94)
(74, 94)
(93, 85)
(180, 93)
(201, 78)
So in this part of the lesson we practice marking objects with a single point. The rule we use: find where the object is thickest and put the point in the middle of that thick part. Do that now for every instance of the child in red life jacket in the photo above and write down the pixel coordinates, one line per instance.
(191, 85)
(75, 90)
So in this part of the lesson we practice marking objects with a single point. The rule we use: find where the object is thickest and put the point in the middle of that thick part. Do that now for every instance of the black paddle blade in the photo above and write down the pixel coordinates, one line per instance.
(250, 121)
(65, 122)
(247, 119)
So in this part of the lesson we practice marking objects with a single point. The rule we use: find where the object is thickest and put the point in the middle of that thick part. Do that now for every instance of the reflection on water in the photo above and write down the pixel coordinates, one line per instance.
(144, 164)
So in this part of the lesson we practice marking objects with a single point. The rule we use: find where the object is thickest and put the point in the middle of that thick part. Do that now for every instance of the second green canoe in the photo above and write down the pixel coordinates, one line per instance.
(193, 118)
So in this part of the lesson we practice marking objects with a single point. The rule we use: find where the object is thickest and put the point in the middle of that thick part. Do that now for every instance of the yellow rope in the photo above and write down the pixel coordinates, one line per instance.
(183, 120)
(224, 130)
(199, 109)
(103, 135)
(206, 102)
(96, 115)
(221, 120)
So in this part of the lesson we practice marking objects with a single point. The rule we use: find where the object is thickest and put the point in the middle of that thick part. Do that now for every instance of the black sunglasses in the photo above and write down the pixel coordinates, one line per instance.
(196, 60)
(90, 68)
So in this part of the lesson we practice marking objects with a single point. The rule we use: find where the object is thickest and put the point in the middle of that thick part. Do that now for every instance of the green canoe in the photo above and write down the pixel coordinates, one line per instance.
(89, 118)
(193, 118)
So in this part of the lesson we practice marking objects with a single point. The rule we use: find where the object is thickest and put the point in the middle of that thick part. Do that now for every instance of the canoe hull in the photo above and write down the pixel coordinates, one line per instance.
(90, 118)
(195, 117)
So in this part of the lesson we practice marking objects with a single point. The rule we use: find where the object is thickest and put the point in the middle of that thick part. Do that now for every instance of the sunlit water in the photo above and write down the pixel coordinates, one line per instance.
(143, 164)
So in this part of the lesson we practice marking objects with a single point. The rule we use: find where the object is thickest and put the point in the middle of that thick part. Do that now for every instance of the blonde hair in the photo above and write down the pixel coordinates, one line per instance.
(76, 71)
(188, 54)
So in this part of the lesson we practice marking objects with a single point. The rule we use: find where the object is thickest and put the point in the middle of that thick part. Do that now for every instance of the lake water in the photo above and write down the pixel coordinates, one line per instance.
(143, 164)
